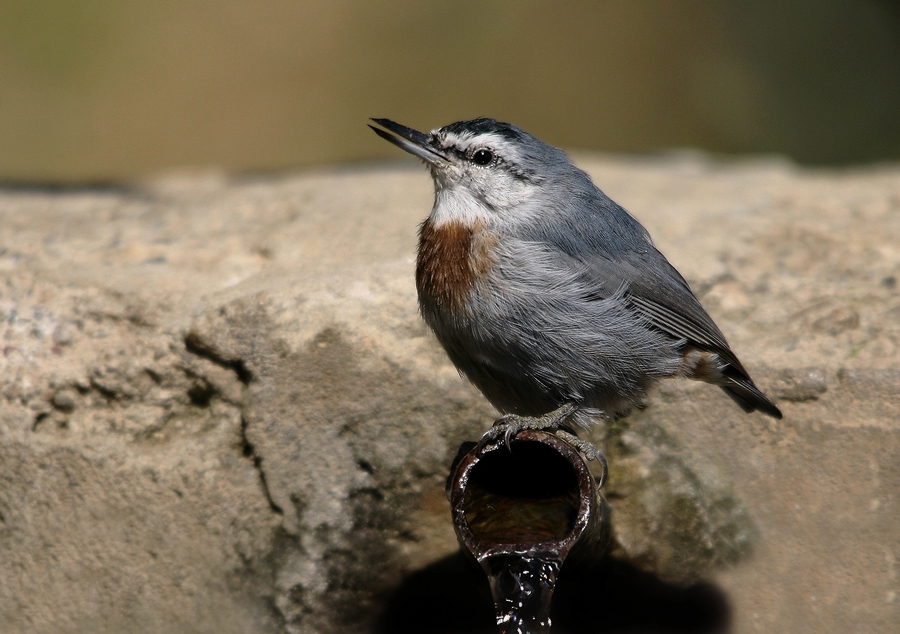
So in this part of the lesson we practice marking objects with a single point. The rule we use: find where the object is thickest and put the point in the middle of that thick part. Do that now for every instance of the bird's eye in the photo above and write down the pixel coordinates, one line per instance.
(482, 157)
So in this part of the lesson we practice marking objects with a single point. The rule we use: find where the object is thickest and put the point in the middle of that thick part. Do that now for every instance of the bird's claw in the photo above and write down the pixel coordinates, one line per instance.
(509, 435)
(590, 451)
(507, 427)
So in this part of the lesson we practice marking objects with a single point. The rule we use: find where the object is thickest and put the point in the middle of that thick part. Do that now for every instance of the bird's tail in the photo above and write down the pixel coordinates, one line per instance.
(745, 393)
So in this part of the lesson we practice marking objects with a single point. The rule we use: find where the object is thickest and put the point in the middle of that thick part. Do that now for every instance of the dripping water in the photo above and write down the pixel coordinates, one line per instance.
(522, 587)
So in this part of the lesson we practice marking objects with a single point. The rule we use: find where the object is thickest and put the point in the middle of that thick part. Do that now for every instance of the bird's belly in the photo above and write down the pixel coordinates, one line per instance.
(531, 336)
(529, 356)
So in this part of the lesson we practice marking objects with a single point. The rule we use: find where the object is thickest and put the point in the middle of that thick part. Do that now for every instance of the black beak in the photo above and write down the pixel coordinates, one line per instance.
(412, 141)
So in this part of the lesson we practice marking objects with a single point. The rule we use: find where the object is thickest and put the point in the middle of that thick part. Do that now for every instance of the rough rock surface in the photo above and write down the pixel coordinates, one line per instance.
(220, 411)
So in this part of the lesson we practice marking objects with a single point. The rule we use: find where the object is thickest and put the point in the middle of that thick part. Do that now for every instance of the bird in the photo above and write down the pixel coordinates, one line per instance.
(546, 294)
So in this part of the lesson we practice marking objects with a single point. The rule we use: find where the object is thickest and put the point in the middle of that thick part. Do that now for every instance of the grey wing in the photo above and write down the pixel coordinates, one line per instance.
(656, 291)
(612, 251)
(663, 296)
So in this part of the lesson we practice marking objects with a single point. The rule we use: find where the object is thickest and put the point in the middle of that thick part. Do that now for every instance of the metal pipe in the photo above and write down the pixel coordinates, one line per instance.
(521, 512)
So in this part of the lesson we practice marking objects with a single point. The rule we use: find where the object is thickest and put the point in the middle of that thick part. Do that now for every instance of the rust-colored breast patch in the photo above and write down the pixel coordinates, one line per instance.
(451, 259)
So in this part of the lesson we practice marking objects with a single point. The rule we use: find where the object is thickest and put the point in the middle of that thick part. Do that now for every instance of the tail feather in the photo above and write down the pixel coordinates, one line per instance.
(744, 392)
(727, 373)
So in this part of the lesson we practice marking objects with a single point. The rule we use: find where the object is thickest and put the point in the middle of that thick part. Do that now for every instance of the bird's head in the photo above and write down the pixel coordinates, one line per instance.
(484, 171)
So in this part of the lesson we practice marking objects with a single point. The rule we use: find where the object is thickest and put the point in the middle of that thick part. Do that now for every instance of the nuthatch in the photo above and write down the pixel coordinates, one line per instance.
(545, 293)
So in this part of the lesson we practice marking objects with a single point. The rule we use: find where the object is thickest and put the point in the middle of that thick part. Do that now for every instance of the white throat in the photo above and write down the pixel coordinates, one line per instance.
(457, 205)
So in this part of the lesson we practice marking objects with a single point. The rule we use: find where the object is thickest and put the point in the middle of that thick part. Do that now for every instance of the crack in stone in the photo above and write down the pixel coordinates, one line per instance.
(195, 345)
(249, 451)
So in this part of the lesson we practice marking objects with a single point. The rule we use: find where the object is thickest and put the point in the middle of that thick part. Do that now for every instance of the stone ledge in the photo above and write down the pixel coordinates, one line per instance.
(221, 411)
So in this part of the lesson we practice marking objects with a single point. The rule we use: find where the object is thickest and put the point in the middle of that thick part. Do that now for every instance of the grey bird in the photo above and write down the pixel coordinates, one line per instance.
(547, 295)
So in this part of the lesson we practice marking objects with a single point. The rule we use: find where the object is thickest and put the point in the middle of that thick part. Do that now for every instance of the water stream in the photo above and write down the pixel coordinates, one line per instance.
(522, 587)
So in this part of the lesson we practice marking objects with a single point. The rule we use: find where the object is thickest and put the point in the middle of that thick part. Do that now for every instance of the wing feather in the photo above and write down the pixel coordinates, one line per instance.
(609, 251)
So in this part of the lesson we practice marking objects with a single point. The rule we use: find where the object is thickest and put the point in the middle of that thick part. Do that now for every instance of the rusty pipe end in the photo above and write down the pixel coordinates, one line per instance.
(537, 498)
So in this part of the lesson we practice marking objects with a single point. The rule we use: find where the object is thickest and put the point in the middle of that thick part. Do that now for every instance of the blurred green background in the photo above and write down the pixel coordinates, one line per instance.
(97, 90)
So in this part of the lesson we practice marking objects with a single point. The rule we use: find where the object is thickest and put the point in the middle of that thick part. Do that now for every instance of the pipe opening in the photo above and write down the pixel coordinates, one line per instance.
(527, 495)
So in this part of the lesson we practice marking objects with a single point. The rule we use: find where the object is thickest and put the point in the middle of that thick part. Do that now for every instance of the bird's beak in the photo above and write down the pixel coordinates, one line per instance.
(412, 141)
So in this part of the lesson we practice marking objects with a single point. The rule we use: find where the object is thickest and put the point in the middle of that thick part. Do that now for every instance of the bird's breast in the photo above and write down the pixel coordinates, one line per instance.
(453, 257)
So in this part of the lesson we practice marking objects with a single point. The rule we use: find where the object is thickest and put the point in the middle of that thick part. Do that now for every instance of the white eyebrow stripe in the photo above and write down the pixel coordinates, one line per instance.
(496, 142)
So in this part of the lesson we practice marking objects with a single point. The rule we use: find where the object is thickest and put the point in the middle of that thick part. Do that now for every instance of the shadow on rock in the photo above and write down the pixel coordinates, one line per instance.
(452, 596)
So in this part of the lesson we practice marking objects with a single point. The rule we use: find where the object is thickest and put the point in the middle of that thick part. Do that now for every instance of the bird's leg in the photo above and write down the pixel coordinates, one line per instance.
(509, 425)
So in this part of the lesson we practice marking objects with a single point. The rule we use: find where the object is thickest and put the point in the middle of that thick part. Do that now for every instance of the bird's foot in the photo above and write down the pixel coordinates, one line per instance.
(590, 451)
(507, 427)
